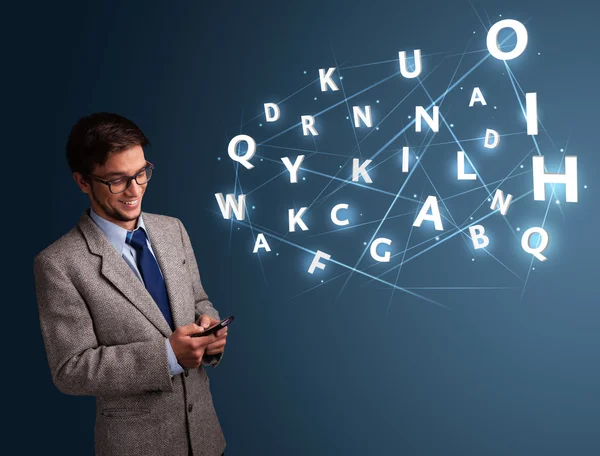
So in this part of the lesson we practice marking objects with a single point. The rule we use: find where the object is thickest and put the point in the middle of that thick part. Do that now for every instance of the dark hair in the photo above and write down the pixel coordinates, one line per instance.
(93, 138)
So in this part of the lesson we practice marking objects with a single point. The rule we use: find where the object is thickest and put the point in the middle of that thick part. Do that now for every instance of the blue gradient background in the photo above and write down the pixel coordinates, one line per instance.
(357, 373)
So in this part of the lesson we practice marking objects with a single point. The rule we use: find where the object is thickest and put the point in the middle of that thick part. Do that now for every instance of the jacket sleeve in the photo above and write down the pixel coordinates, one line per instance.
(79, 365)
(203, 305)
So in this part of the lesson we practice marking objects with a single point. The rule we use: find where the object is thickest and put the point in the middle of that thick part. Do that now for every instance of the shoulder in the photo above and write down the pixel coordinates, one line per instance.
(64, 250)
(162, 221)
(171, 226)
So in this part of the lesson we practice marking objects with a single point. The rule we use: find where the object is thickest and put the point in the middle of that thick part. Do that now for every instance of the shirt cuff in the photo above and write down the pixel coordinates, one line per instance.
(212, 360)
(174, 367)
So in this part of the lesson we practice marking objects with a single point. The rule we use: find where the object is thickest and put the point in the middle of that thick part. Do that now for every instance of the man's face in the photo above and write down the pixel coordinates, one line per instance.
(121, 208)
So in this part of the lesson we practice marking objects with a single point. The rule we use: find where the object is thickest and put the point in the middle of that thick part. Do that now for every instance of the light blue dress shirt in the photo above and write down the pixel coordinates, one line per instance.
(118, 237)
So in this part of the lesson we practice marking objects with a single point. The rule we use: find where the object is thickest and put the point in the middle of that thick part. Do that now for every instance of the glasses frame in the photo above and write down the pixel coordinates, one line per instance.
(129, 179)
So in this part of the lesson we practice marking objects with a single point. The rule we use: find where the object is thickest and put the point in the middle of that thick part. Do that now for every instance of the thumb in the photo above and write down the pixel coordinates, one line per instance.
(190, 329)
(204, 321)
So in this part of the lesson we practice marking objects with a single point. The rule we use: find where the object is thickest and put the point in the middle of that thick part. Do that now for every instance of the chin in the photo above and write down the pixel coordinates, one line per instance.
(133, 216)
(128, 216)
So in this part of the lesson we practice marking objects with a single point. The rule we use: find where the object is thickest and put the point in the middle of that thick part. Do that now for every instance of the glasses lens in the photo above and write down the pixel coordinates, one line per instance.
(118, 185)
(144, 176)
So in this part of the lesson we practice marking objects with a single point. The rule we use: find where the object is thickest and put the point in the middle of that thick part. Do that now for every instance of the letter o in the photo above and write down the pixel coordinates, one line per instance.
(492, 39)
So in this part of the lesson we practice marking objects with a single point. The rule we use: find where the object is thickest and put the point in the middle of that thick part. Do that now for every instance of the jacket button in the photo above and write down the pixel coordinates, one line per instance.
(190, 407)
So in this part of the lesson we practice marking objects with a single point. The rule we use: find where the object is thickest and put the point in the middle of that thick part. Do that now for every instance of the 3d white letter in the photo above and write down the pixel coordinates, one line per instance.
(243, 159)
(365, 116)
(531, 113)
(356, 170)
(430, 203)
(386, 256)
(494, 144)
(296, 219)
(544, 240)
(261, 243)
(434, 123)
(276, 113)
(417, 66)
(460, 157)
(499, 200)
(326, 80)
(226, 206)
(492, 39)
(315, 262)
(334, 217)
(293, 169)
(477, 96)
(477, 235)
(308, 123)
(540, 178)
(405, 159)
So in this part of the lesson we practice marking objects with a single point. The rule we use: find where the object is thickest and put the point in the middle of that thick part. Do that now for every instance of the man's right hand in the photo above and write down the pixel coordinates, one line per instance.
(190, 350)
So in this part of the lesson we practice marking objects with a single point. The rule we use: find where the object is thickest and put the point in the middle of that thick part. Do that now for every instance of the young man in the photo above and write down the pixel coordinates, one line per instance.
(118, 299)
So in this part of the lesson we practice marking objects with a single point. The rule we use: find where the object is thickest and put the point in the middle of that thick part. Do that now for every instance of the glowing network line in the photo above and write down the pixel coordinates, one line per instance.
(293, 244)
(433, 103)
(411, 123)
(441, 238)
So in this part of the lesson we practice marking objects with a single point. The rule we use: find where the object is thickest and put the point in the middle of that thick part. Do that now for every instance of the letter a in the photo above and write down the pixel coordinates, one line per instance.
(430, 203)
(261, 243)
(477, 96)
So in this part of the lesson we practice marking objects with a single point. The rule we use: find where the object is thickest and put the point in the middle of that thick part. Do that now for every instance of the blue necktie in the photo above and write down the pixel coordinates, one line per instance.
(151, 274)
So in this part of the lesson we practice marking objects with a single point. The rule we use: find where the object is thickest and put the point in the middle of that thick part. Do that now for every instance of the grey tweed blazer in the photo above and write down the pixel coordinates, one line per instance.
(105, 337)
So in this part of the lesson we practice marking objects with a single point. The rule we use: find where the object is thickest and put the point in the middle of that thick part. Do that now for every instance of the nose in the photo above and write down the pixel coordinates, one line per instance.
(135, 189)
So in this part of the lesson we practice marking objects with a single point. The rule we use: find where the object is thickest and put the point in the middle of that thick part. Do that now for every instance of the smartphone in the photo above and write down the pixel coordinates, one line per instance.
(214, 328)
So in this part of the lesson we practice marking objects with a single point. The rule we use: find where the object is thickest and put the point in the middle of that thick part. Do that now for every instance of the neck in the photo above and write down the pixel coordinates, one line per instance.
(129, 225)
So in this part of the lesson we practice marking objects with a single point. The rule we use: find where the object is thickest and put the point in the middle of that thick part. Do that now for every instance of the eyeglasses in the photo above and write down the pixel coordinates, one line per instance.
(121, 184)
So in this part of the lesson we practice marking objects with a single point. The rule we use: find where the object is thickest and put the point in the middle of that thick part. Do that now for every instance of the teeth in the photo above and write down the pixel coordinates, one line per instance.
(130, 203)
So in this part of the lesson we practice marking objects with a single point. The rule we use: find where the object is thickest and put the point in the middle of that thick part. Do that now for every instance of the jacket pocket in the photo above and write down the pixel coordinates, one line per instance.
(124, 412)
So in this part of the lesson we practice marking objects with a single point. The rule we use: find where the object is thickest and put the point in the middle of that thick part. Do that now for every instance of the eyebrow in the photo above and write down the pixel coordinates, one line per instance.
(122, 173)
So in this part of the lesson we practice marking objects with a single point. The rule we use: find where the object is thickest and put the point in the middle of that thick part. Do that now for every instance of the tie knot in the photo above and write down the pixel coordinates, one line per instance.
(138, 239)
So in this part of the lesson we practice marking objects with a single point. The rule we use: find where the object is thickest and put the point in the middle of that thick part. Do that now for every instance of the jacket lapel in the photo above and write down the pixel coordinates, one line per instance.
(118, 272)
(170, 262)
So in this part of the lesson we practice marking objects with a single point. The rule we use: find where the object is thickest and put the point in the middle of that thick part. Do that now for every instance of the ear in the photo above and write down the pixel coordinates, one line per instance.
(81, 182)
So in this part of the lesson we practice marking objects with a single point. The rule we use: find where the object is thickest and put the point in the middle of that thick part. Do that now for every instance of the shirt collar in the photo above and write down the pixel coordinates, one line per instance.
(115, 234)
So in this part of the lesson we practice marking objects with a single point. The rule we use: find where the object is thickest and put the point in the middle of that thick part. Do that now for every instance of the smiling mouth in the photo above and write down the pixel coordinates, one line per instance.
(131, 203)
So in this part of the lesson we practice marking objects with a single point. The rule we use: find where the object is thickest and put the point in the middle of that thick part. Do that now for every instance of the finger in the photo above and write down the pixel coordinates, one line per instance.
(204, 321)
(221, 332)
(190, 329)
(217, 343)
(215, 350)
(203, 341)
